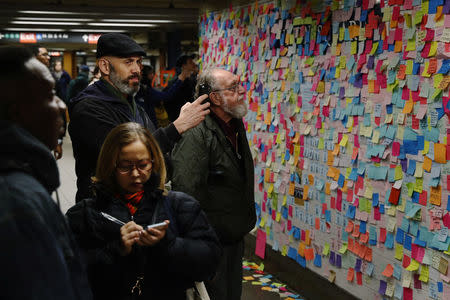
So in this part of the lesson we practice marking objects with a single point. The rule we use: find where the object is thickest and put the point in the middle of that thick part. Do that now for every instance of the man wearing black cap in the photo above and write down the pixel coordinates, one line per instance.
(110, 102)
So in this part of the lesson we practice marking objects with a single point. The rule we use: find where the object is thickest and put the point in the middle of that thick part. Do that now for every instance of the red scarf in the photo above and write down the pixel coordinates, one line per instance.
(132, 201)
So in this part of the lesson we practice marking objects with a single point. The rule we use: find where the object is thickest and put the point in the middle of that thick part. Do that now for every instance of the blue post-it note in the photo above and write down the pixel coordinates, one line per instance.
(400, 237)
(362, 227)
(397, 271)
(318, 260)
(407, 243)
(389, 243)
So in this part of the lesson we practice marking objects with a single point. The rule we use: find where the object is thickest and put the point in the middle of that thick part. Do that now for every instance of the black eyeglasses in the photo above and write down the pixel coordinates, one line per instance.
(141, 166)
(234, 88)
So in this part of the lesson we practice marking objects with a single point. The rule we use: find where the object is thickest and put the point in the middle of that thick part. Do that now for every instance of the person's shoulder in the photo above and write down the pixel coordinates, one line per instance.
(181, 199)
(21, 192)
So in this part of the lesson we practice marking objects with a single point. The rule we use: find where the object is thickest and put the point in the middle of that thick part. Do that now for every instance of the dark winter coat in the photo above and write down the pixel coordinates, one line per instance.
(77, 85)
(38, 254)
(184, 93)
(61, 85)
(93, 114)
(169, 267)
(206, 166)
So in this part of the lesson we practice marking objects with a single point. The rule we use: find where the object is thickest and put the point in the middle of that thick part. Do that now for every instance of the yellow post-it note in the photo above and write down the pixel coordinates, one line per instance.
(398, 251)
(413, 266)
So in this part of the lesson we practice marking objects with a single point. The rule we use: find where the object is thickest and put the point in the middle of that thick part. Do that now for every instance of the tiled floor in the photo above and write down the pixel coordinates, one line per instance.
(257, 288)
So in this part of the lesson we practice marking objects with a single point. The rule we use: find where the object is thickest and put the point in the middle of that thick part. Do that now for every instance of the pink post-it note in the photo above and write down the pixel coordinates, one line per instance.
(260, 248)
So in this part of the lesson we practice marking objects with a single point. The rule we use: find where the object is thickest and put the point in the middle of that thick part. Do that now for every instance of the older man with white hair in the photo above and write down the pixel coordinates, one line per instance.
(213, 163)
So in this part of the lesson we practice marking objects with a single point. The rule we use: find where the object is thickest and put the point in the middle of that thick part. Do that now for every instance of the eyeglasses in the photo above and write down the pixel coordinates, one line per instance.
(141, 166)
(234, 88)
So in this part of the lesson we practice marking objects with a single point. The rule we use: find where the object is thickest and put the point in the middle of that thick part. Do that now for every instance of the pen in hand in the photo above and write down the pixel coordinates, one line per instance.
(111, 218)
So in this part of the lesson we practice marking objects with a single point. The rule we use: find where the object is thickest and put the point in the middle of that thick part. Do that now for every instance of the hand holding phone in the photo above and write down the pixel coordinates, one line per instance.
(157, 225)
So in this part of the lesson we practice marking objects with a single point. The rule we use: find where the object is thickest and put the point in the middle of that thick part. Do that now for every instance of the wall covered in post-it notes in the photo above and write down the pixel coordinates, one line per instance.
(348, 125)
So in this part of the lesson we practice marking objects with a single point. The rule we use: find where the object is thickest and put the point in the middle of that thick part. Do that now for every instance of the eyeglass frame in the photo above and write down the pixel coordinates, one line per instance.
(235, 87)
(134, 166)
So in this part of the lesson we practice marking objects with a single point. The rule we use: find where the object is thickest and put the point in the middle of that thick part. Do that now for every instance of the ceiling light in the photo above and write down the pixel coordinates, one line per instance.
(44, 23)
(47, 12)
(121, 24)
(32, 29)
(95, 30)
(137, 21)
(53, 19)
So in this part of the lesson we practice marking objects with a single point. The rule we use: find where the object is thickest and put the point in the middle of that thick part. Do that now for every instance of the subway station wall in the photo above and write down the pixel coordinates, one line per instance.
(348, 125)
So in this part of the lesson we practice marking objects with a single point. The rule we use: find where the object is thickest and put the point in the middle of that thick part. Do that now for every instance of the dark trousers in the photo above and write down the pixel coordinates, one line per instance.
(227, 284)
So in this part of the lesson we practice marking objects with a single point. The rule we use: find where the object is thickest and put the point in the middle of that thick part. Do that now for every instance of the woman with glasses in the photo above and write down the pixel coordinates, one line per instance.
(126, 259)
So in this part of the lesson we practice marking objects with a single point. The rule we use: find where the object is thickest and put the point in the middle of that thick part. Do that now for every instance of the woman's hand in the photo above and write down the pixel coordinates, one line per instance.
(150, 237)
(130, 234)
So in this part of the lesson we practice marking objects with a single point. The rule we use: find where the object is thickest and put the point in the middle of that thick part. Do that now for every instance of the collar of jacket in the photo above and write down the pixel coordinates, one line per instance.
(212, 125)
(127, 100)
(22, 151)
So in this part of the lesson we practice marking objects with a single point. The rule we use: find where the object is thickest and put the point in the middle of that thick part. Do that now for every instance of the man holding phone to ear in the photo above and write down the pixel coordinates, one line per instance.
(212, 162)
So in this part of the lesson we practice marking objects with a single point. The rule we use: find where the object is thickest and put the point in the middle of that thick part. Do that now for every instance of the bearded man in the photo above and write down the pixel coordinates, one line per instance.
(213, 163)
(110, 102)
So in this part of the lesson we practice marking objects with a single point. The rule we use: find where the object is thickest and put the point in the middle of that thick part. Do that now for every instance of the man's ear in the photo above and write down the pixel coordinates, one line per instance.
(104, 66)
(215, 98)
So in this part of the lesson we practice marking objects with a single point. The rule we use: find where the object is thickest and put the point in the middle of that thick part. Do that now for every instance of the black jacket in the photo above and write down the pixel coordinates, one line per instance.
(169, 267)
(38, 254)
(93, 114)
(206, 166)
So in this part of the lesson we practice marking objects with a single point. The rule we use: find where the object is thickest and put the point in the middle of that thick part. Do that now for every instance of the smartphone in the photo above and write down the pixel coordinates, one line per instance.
(157, 225)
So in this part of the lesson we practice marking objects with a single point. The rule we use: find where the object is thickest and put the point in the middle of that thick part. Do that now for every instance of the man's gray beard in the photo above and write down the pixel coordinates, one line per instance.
(122, 85)
(237, 112)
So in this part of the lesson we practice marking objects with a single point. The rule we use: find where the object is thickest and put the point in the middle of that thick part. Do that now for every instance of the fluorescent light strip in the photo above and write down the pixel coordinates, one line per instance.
(121, 24)
(32, 29)
(87, 30)
(137, 21)
(47, 12)
(44, 23)
(53, 19)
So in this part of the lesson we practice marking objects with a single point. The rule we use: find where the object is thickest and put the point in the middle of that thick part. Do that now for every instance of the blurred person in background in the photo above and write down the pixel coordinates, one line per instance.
(39, 256)
(79, 83)
(41, 54)
(149, 97)
(62, 80)
(185, 64)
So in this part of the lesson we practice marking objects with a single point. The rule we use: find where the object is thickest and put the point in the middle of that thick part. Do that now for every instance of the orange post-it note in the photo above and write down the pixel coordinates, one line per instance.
(440, 153)
(267, 175)
(427, 164)
(355, 231)
(368, 255)
(309, 254)
(350, 274)
(311, 179)
(301, 249)
(327, 188)
(349, 227)
(317, 224)
(435, 195)
(330, 158)
(307, 238)
(388, 271)
(409, 106)
(364, 237)
(291, 188)
(305, 192)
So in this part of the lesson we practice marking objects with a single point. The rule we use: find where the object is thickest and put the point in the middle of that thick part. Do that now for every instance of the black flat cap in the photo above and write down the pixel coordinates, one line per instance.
(116, 44)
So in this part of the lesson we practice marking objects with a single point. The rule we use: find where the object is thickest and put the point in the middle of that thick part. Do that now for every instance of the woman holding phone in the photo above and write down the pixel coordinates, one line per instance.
(126, 258)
